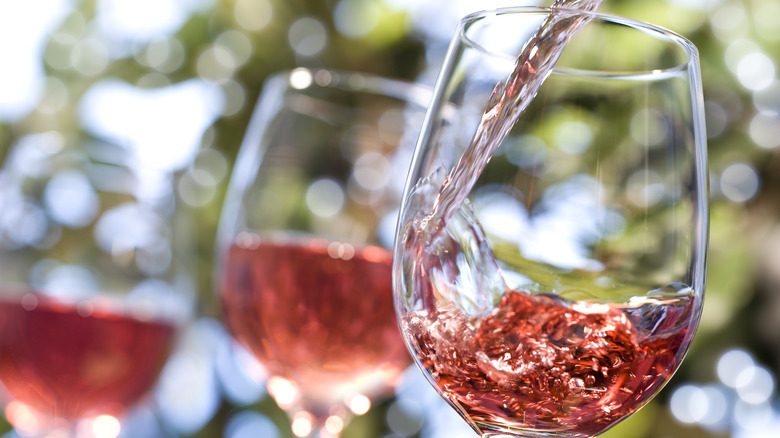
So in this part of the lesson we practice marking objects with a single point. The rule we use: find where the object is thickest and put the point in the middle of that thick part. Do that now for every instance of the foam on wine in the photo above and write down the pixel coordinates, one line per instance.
(316, 313)
(69, 361)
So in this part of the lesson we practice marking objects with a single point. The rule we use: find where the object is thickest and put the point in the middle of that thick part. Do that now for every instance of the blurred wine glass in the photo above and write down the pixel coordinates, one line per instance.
(95, 284)
(551, 252)
(305, 237)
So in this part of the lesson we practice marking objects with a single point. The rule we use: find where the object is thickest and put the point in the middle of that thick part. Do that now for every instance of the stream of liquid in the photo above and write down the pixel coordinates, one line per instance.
(507, 102)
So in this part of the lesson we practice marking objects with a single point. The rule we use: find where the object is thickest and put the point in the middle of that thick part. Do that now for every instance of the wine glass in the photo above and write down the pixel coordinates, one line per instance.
(551, 251)
(94, 284)
(305, 238)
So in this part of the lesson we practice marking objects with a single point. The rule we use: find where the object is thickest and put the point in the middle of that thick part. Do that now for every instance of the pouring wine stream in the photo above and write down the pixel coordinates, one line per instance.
(507, 103)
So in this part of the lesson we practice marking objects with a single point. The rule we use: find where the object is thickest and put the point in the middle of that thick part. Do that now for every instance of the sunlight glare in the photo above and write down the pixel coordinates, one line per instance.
(302, 424)
(162, 127)
(334, 424)
(24, 30)
(283, 391)
(359, 404)
(106, 426)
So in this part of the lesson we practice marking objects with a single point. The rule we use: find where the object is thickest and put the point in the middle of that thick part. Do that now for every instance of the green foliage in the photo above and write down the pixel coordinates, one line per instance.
(392, 49)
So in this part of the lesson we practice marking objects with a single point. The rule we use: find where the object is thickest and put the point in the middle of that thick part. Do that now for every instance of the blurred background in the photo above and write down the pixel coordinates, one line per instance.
(180, 78)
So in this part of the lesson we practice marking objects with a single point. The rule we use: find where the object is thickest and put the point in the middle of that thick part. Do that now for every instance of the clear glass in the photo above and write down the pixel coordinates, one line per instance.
(550, 286)
(305, 240)
(95, 284)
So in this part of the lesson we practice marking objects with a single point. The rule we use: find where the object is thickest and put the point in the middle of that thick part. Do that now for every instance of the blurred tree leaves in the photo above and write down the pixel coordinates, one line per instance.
(736, 290)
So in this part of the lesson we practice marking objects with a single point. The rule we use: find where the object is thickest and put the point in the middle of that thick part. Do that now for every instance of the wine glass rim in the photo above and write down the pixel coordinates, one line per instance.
(301, 78)
(655, 31)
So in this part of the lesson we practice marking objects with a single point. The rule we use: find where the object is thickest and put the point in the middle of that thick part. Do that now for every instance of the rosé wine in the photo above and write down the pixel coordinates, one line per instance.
(67, 362)
(316, 313)
(541, 364)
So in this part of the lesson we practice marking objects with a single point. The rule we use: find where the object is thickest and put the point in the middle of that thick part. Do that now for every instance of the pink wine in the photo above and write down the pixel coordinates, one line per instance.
(542, 365)
(317, 313)
(69, 364)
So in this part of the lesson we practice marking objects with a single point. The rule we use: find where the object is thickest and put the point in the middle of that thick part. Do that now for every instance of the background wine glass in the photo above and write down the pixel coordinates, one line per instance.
(305, 237)
(94, 284)
(553, 289)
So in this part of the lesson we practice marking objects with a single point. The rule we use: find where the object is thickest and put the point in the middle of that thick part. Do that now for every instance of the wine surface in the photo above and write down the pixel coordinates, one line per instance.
(544, 365)
(319, 314)
(67, 362)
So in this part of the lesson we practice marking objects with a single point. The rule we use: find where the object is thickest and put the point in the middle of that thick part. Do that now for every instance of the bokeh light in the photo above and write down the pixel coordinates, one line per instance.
(302, 424)
(405, 417)
(573, 137)
(24, 30)
(284, 392)
(717, 119)
(764, 130)
(70, 199)
(756, 71)
(649, 128)
(739, 182)
(127, 23)
(645, 188)
(356, 18)
(359, 404)
(170, 83)
(768, 99)
(689, 404)
(325, 197)
(164, 54)
(729, 21)
(253, 15)
(188, 396)
(307, 36)
(249, 424)
(106, 426)
(241, 376)
(765, 25)
(334, 425)
(372, 171)
(731, 363)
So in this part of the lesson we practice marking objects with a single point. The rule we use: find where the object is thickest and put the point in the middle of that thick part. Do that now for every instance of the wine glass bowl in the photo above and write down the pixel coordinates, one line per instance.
(93, 285)
(550, 260)
(305, 240)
